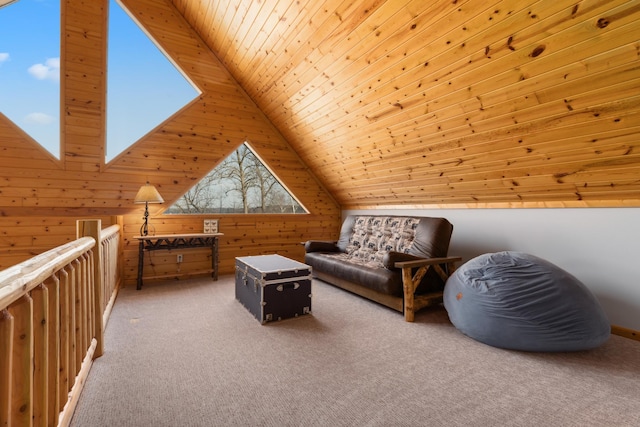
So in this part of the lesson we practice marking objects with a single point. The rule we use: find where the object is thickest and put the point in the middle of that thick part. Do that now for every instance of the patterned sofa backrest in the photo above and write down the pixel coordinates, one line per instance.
(369, 238)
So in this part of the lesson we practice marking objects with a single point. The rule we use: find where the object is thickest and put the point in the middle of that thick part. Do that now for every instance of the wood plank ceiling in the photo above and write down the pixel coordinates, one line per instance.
(444, 102)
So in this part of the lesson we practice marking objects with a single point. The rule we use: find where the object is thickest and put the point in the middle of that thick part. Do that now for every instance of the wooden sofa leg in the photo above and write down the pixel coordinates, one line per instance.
(445, 275)
(409, 289)
(409, 284)
(411, 281)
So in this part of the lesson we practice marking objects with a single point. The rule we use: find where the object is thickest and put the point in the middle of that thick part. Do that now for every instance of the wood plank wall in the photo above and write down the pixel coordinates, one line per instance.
(41, 197)
(26, 236)
(462, 103)
(244, 235)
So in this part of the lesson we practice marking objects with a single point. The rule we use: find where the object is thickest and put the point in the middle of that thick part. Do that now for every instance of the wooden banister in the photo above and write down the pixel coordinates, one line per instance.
(52, 317)
(22, 278)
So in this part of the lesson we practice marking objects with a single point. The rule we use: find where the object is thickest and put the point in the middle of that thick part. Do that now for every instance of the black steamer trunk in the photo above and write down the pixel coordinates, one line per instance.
(273, 287)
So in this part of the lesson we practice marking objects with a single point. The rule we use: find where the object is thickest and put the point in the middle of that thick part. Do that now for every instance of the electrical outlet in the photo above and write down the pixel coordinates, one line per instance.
(179, 259)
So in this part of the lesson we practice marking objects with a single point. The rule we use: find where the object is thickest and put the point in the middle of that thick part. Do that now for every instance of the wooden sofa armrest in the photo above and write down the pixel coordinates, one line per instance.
(411, 281)
(427, 261)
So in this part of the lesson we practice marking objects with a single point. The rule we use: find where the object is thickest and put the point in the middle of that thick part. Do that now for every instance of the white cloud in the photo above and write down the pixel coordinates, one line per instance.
(38, 119)
(50, 70)
(3, 57)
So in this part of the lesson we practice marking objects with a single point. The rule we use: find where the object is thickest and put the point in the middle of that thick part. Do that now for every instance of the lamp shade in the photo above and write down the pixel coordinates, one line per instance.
(148, 194)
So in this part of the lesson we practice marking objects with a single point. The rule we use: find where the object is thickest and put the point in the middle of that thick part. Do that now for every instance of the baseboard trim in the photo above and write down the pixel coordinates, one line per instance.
(625, 332)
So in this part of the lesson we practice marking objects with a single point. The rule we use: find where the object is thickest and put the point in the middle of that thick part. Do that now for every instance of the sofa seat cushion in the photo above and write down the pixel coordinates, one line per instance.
(372, 275)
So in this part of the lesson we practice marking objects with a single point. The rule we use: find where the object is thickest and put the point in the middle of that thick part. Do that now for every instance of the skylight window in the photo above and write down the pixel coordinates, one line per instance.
(240, 184)
(144, 87)
(30, 69)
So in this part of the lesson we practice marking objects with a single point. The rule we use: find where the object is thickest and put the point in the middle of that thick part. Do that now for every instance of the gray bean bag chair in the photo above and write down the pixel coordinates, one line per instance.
(517, 301)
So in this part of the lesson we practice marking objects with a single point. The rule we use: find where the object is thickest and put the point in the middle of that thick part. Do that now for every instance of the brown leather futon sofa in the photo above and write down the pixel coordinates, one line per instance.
(398, 261)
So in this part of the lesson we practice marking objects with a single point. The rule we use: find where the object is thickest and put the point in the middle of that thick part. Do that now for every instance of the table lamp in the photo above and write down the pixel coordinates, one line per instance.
(147, 194)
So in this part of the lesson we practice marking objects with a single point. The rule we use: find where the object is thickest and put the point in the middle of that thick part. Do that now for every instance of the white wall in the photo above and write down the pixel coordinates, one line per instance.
(600, 246)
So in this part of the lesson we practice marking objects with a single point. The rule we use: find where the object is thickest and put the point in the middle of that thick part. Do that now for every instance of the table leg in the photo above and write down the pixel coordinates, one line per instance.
(140, 264)
(214, 258)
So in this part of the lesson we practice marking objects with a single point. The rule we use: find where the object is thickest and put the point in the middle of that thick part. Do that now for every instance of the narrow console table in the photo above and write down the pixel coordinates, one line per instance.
(178, 241)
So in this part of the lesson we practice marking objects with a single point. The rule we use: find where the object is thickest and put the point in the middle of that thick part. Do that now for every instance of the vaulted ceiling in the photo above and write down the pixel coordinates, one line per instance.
(435, 102)
(357, 104)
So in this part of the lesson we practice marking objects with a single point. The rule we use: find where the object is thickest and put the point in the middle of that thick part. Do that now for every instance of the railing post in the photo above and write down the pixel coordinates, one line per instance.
(6, 365)
(53, 404)
(119, 220)
(22, 391)
(41, 355)
(92, 228)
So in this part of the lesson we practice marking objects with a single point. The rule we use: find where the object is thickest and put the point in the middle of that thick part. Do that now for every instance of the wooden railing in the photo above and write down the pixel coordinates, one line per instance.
(52, 317)
(111, 251)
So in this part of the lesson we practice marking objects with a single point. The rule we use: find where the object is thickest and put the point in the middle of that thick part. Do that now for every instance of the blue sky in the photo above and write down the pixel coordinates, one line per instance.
(144, 88)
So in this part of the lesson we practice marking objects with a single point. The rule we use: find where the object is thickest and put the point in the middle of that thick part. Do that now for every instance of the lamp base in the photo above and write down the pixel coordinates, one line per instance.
(144, 230)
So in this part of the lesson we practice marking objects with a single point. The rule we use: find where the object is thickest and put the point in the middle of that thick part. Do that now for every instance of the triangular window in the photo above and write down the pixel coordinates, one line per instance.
(240, 184)
(144, 87)
(30, 69)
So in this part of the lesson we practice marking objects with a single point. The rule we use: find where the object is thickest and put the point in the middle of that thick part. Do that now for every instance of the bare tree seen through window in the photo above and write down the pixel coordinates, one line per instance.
(240, 184)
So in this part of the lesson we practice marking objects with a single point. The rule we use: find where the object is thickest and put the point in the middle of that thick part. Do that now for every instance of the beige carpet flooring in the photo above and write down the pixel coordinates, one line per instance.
(186, 353)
